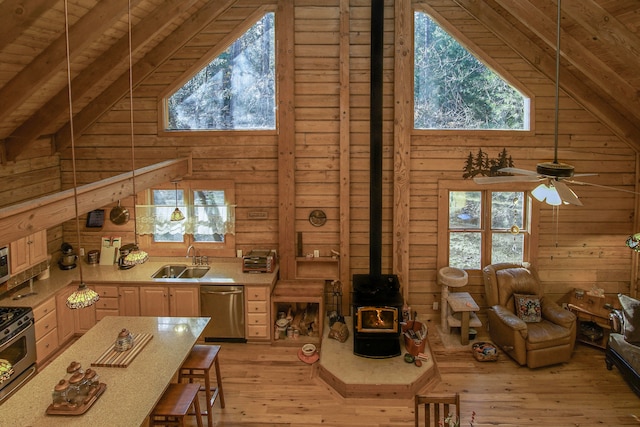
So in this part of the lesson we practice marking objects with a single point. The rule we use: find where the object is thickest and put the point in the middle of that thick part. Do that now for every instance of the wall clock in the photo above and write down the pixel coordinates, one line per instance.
(317, 218)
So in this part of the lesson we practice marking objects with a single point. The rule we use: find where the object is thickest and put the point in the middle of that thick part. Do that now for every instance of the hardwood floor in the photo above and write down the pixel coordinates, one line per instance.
(269, 386)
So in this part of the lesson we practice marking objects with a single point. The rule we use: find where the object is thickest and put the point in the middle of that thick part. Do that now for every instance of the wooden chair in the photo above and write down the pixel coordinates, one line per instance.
(436, 408)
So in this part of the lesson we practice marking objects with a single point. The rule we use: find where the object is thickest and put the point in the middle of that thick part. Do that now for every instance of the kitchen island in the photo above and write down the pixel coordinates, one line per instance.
(131, 392)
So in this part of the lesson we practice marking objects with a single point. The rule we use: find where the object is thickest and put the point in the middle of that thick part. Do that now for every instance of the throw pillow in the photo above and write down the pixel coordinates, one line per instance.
(631, 310)
(528, 308)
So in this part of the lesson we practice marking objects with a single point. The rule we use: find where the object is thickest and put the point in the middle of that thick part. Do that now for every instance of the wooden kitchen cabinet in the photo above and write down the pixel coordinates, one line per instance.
(257, 313)
(65, 316)
(184, 301)
(27, 251)
(46, 332)
(154, 301)
(129, 300)
(107, 305)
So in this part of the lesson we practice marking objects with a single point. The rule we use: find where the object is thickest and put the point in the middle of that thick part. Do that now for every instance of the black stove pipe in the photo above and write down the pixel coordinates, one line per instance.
(375, 141)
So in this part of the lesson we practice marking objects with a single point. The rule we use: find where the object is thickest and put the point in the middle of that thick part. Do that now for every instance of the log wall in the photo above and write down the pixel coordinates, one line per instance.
(583, 247)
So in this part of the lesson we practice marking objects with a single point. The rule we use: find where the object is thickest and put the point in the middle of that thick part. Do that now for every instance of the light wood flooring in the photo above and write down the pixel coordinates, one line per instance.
(268, 386)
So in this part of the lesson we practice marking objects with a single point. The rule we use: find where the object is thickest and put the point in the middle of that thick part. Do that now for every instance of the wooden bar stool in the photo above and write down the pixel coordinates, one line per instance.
(198, 366)
(174, 406)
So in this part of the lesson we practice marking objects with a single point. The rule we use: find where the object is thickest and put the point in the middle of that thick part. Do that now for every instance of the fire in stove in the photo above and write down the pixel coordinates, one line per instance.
(377, 319)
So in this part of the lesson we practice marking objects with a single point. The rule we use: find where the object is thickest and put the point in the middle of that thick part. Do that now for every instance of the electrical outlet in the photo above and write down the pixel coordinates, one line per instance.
(81, 251)
(436, 305)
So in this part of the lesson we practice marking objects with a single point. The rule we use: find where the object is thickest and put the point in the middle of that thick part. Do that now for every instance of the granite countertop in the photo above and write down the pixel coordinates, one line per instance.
(222, 271)
(131, 392)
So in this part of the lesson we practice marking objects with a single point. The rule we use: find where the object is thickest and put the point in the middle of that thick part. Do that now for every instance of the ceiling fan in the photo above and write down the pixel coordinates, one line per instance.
(552, 175)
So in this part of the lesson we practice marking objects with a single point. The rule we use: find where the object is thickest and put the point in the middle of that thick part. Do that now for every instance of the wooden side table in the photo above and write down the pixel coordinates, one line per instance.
(593, 309)
(463, 303)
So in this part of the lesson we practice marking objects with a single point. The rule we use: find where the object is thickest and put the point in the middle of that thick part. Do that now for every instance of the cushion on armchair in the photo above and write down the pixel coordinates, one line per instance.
(528, 307)
(631, 312)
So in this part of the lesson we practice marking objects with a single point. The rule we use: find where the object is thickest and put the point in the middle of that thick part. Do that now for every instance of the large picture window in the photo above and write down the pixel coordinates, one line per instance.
(487, 227)
(235, 91)
(455, 90)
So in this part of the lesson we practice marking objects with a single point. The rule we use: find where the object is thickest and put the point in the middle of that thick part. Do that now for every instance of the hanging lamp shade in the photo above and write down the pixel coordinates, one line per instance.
(83, 297)
(177, 214)
(136, 256)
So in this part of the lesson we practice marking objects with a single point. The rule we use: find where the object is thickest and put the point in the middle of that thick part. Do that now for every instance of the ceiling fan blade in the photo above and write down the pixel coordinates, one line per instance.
(585, 174)
(571, 181)
(566, 194)
(518, 171)
(503, 179)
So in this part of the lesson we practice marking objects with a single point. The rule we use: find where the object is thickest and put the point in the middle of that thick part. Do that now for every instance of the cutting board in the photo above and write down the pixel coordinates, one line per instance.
(121, 359)
(109, 249)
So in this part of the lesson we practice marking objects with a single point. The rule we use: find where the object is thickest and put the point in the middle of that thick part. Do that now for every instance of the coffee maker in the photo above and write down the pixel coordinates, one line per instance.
(68, 258)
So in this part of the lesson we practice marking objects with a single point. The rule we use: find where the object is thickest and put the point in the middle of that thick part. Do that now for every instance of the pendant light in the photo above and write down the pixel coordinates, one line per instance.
(177, 214)
(136, 255)
(83, 296)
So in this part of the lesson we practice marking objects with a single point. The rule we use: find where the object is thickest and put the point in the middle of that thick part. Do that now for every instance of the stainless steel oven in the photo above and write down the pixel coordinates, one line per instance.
(17, 349)
(5, 274)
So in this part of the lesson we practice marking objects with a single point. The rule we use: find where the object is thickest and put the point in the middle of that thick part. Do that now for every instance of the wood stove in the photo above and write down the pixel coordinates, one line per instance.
(376, 316)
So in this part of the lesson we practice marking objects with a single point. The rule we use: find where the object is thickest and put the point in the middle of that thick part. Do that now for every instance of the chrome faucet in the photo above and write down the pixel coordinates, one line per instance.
(195, 252)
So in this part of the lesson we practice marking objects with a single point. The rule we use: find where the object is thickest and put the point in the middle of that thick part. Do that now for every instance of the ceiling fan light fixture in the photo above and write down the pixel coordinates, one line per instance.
(548, 194)
(633, 242)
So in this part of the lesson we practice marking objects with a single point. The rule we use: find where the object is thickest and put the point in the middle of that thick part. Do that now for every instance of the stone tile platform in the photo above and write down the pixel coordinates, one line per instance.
(362, 377)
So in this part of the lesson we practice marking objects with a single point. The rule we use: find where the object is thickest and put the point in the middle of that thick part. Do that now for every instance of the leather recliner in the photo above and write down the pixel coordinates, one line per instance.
(543, 343)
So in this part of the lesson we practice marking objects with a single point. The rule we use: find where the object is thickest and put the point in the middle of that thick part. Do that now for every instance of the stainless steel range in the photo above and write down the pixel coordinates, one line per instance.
(17, 348)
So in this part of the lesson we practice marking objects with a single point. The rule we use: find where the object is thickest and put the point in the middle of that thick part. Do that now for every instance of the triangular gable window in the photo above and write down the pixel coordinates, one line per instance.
(454, 90)
(235, 91)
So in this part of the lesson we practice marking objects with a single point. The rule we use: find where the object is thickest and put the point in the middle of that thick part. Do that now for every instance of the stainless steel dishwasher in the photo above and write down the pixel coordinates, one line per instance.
(225, 305)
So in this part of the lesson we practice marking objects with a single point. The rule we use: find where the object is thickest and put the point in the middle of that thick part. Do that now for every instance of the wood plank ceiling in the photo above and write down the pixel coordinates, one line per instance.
(600, 56)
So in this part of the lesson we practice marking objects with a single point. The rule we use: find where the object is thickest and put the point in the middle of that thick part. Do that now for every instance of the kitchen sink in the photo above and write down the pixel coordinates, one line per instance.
(180, 272)
(193, 272)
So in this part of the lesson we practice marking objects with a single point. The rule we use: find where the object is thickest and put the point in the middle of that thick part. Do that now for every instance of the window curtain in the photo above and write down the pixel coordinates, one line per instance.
(203, 220)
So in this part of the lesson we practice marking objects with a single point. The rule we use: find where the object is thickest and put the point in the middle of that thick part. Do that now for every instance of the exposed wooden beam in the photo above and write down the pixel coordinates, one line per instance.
(619, 41)
(20, 220)
(141, 70)
(286, 139)
(575, 53)
(578, 89)
(84, 32)
(402, 129)
(17, 15)
(345, 153)
(57, 107)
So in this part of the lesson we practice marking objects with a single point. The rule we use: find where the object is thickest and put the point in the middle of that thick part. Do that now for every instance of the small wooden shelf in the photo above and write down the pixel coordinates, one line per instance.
(304, 298)
(594, 309)
(327, 268)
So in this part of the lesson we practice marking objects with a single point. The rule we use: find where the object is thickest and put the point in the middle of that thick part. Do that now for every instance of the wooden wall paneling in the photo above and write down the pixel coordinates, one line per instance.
(286, 141)
(345, 156)
(142, 69)
(22, 219)
(82, 33)
(403, 124)
(112, 59)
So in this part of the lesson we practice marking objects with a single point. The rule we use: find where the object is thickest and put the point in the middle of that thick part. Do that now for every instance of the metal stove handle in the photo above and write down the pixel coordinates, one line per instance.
(16, 334)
